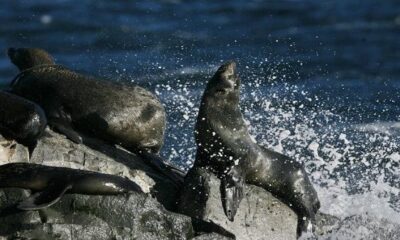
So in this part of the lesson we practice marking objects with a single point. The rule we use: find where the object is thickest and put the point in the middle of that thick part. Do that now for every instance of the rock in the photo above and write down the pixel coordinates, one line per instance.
(213, 236)
(137, 216)
(140, 215)
(56, 150)
(10, 218)
(260, 215)
(11, 151)
(67, 232)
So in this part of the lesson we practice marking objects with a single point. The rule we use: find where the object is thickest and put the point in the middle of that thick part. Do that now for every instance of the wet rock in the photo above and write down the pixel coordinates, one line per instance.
(260, 215)
(94, 155)
(137, 216)
(54, 149)
(140, 215)
(213, 236)
(75, 216)
(11, 151)
(10, 218)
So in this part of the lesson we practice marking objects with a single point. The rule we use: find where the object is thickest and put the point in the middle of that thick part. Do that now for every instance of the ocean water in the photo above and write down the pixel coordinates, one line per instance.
(321, 79)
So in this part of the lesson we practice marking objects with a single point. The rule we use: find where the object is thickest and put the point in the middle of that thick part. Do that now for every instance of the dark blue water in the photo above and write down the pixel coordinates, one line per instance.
(321, 79)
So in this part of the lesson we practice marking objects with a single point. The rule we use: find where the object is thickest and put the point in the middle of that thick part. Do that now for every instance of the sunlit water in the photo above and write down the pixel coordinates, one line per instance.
(321, 79)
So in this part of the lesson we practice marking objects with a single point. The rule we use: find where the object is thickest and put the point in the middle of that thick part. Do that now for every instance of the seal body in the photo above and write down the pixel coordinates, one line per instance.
(20, 119)
(51, 183)
(127, 115)
(225, 147)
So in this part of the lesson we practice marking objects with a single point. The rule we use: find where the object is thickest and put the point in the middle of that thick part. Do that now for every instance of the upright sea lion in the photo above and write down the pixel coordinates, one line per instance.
(121, 114)
(21, 119)
(51, 183)
(225, 146)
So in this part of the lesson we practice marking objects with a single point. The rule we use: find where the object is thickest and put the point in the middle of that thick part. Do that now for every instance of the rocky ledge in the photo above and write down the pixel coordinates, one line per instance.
(260, 215)
(169, 208)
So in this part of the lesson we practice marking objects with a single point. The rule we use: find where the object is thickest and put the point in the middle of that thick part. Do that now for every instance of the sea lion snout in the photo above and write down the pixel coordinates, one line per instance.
(228, 70)
(229, 74)
(229, 66)
(226, 77)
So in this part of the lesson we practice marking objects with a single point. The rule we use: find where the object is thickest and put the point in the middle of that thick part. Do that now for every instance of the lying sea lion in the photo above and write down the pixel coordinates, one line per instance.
(51, 183)
(126, 115)
(225, 147)
(20, 119)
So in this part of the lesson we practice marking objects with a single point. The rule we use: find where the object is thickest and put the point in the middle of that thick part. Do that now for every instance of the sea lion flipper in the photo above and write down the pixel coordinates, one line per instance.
(65, 129)
(232, 185)
(46, 198)
(156, 162)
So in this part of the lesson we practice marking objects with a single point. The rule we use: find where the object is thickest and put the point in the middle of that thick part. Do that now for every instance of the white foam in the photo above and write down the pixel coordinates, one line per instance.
(390, 128)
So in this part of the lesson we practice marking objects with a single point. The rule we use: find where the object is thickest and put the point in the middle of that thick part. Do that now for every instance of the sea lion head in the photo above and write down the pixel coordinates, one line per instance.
(25, 58)
(223, 88)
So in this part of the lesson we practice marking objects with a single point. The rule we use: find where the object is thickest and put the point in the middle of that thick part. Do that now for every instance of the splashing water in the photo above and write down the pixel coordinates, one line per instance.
(354, 166)
(320, 78)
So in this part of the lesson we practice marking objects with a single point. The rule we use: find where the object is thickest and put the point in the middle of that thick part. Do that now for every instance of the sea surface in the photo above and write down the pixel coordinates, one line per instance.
(321, 78)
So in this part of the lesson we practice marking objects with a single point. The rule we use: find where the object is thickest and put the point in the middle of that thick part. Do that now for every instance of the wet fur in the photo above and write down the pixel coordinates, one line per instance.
(225, 146)
(21, 119)
(40, 178)
(121, 114)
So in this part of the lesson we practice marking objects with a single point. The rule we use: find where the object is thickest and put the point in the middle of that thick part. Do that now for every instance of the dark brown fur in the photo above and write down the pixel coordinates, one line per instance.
(127, 115)
(21, 119)
(225, 147)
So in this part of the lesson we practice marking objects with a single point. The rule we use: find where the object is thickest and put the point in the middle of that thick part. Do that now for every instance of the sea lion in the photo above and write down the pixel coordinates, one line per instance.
(225, 147)
(127, 115)
(51, 183)
(20, 119)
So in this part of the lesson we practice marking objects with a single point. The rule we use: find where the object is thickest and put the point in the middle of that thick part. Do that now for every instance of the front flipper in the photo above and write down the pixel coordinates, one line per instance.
(156, 162)
(59, 119)
(232, 185)
(46, 198)
(66, 129)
